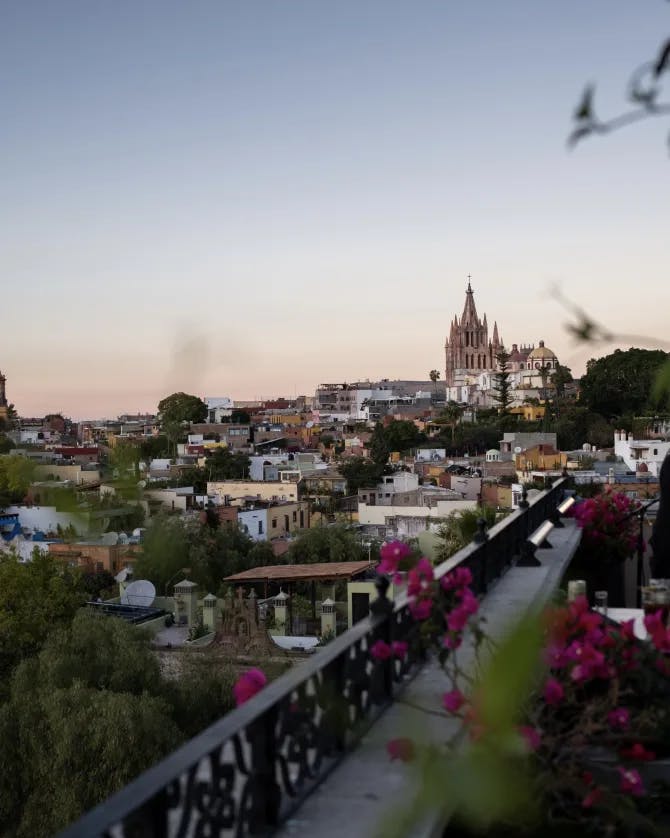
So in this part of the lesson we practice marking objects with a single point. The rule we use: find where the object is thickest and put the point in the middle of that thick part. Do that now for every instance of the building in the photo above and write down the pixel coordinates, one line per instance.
(468, 349)
(471, 363)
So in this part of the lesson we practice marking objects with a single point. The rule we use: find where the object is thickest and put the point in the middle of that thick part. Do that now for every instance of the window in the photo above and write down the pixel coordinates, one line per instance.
(260, 528)
(274, 523)
(655, 450)
(295, 516)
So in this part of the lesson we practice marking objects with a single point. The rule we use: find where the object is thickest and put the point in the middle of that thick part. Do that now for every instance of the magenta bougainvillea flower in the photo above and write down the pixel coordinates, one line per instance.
(402, 749)
(453, 701)
(391, 555)
(248, 684)
(631, 781)
(380, 651)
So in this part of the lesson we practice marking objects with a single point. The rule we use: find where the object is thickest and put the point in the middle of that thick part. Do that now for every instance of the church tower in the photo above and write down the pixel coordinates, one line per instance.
(468, 350)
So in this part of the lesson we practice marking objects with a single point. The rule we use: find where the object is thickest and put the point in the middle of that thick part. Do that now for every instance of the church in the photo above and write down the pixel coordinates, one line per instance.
(471, 365)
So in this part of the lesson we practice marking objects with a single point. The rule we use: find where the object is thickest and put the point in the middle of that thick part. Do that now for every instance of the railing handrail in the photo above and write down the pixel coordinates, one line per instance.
(151, 782)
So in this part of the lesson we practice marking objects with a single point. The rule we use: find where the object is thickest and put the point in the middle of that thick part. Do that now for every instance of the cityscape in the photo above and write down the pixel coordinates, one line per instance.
(334, 420)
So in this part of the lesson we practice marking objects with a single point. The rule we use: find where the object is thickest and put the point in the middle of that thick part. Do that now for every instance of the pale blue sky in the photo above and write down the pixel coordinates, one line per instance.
(247, 198)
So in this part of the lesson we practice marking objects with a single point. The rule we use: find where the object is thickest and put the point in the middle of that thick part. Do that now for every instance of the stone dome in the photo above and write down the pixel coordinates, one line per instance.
(541, 353)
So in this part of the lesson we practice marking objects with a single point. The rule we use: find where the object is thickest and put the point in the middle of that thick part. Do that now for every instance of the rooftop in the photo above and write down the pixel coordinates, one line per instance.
(297, 572)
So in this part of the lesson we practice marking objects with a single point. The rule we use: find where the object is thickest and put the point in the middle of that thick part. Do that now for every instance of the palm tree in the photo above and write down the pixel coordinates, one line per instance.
(434, 376)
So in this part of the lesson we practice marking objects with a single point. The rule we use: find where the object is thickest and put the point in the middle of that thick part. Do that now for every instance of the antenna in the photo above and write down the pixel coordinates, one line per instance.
(141, 592)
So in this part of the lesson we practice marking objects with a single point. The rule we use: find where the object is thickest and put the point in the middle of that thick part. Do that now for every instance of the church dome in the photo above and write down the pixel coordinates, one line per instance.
(541, 353)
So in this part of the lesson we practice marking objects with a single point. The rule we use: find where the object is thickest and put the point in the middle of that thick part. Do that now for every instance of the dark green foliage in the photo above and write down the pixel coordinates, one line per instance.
(240, 417)
(154, 447)
(6, 445)
(95, 582)
(360, 473)
(326, 544)
(180, 408)
(224, 464)
(211, 553)
(88, 714)
(398, 435)
(621, 382)
(36, 598)
(501, 381)
(16, 475)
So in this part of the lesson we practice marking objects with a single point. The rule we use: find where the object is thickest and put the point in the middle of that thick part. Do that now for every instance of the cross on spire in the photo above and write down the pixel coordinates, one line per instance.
(469, 286)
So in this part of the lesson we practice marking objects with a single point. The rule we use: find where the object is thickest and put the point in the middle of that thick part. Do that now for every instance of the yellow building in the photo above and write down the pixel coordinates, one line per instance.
(529, 412)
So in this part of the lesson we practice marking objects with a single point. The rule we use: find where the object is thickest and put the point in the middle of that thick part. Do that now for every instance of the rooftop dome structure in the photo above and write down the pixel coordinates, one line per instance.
(541, 353)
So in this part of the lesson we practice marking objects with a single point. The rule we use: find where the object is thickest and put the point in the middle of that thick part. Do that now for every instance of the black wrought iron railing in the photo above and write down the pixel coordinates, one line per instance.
(246, 773)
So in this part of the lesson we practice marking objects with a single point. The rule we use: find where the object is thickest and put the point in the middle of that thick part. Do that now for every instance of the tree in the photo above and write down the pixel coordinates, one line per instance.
(451, 416)
(240, 417)
(434, 377)
(89, 713)
(223, 464)
(459, 528)
(621, 382)
(175, 412)
(154, 446)
(561, 376)
(6, 444)
(36, 597)
(326, 544)
(501, 382)
(209, 553)
(360, 472)
(181, 407)
(379, 446)
(16, 476)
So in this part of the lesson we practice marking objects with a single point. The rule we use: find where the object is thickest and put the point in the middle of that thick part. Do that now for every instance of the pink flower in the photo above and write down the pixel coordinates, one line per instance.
(553, 692)
(469, 602)
(380, 651)
(399, 648)
(402, 749)
(654, 623)
(421, 609)
(592, 798)
(631, 782)
(453, 701)
(555, 656)
(531, 736)
(638, 752)
(457, 619)
(452, 640)
(419, 577)
(619, 718)
(248, 684)
(391, 555)
(459, 578)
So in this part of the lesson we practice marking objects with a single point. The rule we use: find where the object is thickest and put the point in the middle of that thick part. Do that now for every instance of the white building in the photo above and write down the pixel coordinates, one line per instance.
(638, 452)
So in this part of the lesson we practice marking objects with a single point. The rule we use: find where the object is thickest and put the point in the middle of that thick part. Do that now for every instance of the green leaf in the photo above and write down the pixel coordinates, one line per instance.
(509, 676)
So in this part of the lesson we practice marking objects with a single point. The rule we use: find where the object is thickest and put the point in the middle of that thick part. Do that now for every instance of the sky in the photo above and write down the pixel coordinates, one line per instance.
(249, 198)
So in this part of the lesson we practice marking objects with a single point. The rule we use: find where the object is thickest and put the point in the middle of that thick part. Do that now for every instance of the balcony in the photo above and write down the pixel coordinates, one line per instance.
(311, 746)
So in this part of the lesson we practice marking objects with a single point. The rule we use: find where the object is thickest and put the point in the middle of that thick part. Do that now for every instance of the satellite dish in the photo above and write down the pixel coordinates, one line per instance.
(518, 449)
(142, 484)
(110, 539)
(123, 538)
(141, 592)
(137, 532)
